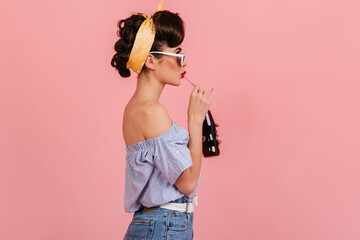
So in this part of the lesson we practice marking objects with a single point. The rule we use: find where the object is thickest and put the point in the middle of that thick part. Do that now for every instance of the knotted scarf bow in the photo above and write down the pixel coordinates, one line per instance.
(144, 40)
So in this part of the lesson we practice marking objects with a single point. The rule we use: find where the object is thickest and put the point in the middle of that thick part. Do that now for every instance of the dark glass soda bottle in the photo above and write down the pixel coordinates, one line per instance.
(210, 145)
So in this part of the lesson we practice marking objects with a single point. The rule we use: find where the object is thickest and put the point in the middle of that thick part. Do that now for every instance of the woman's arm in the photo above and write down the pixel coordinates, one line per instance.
(187, 181)
(198, 107)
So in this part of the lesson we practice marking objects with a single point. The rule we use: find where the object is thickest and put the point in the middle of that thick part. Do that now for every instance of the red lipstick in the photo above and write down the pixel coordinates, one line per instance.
(182, 75)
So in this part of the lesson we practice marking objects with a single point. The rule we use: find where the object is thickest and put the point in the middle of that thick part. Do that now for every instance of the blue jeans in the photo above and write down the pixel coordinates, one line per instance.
(159, 223)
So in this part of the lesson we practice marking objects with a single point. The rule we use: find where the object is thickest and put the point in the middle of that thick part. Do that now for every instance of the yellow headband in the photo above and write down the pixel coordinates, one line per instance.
(143, 42)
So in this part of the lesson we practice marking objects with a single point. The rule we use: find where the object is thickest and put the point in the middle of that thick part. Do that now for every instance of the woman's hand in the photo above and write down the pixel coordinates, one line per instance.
(199, 103)
(217, 135)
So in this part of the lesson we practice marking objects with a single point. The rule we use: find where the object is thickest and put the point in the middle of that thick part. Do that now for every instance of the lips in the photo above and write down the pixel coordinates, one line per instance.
(183, 74)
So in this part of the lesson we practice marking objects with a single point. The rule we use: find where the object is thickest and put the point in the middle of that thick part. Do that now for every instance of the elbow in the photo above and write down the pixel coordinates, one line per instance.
(185, 183)
(188, 189)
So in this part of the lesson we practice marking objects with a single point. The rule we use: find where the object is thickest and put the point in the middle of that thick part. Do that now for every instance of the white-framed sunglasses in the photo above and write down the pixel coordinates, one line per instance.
(180, 56)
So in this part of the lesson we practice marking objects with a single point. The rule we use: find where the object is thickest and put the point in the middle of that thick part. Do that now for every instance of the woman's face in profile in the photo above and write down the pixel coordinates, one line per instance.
(169, 69)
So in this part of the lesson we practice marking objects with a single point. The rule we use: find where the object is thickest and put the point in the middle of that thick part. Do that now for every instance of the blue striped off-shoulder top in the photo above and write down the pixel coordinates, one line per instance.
(152, 168)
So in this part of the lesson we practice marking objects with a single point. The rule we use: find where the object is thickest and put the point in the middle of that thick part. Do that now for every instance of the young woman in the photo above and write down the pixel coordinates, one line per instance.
(163, 160)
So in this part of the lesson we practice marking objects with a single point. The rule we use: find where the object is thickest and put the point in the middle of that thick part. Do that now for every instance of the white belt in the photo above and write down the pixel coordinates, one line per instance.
(182, 207)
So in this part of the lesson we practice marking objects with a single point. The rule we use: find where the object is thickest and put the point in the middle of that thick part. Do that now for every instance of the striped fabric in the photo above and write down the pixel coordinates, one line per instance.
(152, 168)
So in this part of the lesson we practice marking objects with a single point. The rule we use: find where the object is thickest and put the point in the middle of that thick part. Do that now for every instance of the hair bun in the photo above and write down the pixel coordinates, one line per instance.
(169, 29)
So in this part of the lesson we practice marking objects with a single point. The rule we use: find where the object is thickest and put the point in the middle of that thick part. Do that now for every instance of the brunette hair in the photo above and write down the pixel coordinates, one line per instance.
(169, 30)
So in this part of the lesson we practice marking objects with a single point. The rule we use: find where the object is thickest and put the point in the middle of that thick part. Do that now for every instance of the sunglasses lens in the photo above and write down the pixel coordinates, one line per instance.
(183, 61)
(179, 61)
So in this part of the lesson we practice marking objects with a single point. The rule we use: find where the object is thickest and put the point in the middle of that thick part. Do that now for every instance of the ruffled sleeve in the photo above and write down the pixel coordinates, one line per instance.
(171, 154)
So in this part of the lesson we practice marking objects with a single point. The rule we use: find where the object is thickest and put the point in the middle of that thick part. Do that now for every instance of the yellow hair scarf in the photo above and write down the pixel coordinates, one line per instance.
(143, 42)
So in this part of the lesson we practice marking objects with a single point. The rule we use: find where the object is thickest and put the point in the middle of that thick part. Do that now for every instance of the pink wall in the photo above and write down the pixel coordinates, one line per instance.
(286, 78)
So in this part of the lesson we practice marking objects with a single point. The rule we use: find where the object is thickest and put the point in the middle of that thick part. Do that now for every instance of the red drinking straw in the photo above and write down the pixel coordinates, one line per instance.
(183, 75)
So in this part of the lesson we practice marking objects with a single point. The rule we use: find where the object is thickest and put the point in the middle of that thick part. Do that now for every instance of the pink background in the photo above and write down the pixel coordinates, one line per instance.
(286, 78)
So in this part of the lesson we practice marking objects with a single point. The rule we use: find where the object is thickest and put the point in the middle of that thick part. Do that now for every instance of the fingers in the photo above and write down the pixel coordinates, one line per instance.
(217, 133)
(196, 89)
(211, 94)
(217, 139)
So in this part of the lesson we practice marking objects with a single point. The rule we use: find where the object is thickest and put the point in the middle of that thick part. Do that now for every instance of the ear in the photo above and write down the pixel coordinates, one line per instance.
(150, 62)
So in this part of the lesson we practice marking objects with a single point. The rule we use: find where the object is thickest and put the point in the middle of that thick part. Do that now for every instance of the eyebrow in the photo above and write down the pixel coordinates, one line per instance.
(178, 49)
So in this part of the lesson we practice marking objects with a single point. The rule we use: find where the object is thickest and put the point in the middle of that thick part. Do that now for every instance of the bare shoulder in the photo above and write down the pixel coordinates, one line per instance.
(157, 120)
